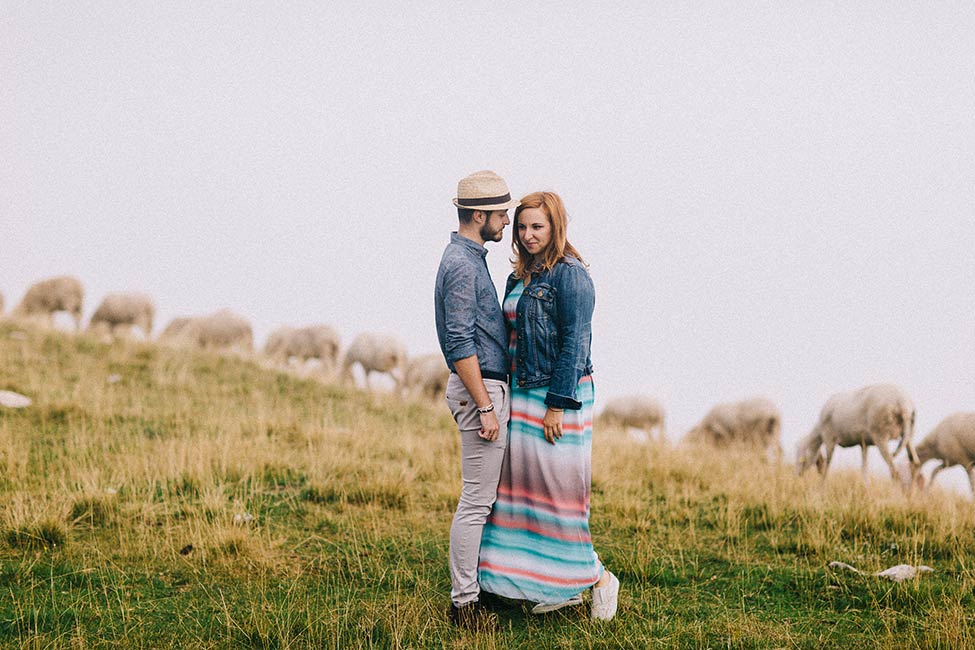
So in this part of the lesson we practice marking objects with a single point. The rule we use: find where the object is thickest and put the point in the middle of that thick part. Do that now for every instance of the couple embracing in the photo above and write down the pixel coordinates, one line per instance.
(521, 392)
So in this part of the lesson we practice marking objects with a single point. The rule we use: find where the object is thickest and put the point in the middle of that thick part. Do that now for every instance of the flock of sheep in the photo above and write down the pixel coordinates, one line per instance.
(874, 415)
(120, 313)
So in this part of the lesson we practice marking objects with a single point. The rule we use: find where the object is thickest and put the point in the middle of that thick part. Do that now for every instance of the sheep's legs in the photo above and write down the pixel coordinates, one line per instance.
(971, 479)
(830, 448)
(882, 448)
(937, 469)
(863, 465)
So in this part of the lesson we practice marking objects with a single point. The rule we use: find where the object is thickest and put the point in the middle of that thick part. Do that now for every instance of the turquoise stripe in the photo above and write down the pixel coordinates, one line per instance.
(573, 439)
(556, 562)
(536, 513)
(536, 542)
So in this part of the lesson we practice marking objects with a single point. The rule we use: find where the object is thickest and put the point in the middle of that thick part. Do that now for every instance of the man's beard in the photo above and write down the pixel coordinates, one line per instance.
(489, 234)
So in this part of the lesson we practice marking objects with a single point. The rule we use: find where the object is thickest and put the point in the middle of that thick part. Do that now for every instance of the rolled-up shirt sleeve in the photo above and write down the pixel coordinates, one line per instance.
(460, 312)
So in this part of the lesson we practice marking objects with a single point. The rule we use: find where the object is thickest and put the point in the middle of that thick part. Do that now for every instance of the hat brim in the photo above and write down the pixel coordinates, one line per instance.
(507, 205)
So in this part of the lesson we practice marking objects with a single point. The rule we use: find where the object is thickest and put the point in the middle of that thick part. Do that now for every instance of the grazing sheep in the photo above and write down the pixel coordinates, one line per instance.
(426, 376)
(952, 442)
(872, 415)
(223, 330)
(172, 330)
(43, 299)
(375, 353)
(313, 342)
(754, 422)
(637, 411)
(124, 310)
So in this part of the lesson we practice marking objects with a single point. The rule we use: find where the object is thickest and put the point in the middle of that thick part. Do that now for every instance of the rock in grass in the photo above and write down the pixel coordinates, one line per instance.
(13, 400)
(897, 573)
(901, 572)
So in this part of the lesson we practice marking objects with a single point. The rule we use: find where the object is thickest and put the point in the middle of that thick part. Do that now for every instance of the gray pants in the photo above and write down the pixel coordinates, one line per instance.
(480, 471)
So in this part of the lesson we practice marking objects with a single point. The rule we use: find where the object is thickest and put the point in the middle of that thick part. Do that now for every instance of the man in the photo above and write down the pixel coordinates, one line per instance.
(474, 341)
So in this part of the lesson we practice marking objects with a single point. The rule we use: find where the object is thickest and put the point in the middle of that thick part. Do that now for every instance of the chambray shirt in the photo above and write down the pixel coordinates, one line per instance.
(468, 314)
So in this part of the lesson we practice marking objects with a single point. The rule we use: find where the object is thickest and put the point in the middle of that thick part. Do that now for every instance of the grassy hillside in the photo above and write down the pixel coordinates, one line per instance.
(201, 501)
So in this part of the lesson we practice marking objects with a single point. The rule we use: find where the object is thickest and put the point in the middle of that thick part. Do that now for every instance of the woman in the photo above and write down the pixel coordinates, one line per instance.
(536, 544)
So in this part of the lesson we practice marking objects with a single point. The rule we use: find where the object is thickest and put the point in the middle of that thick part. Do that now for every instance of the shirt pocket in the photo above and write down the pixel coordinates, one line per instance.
(541, 302)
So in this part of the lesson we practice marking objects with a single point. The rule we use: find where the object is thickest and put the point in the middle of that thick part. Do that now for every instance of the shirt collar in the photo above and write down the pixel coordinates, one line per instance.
(469, 244)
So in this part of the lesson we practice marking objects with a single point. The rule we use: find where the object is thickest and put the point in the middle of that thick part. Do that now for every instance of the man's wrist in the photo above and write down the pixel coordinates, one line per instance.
(486, 409)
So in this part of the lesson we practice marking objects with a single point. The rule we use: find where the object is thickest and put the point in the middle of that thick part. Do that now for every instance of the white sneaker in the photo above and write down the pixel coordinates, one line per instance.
(605, 599)
(544, 609)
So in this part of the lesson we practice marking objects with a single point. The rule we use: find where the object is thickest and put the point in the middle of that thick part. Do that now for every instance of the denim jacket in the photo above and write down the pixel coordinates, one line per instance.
(468, 314)
(554, 328)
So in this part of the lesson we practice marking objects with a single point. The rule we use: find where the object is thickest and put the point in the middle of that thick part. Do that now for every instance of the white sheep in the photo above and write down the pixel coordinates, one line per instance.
(755, 422)
(426, 376)
(303, 343)
(952, 442)
(872, 415)
(121, 311)
(375, 353)
(223, 330)
(170, 333)
(46, 297)
(638, 411)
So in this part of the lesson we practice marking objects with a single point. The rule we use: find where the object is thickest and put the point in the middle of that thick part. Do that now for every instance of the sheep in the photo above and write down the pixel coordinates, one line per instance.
(223, 330)
(313, 342)
(637, 411)
(375, 353)
(46, 297)
(755, 422)
(426, 376)
(171, 332)
(123, 310)
(952, 442)
(872, 415)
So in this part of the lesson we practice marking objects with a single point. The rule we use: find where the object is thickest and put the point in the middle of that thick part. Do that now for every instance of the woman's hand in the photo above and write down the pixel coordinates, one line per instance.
(552, 424)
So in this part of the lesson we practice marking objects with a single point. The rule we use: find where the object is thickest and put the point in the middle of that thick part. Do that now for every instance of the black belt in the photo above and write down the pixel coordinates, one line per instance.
(497, 376)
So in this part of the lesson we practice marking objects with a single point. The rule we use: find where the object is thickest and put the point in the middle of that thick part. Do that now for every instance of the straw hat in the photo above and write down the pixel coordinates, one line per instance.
(484, 190)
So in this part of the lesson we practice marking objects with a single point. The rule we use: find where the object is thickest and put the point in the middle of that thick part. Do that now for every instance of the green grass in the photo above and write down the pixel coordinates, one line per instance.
(102, 485)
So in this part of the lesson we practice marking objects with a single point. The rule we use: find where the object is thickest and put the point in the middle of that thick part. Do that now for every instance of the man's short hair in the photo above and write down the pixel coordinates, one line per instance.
(465, 215)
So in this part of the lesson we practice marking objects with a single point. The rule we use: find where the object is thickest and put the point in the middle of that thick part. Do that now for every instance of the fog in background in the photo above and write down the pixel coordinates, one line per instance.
(774, 199)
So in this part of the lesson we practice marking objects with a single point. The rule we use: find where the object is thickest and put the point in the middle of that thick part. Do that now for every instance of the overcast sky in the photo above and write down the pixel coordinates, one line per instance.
(774, 198)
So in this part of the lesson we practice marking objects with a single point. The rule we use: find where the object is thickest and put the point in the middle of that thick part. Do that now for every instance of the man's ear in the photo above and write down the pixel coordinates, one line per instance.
(479, 216)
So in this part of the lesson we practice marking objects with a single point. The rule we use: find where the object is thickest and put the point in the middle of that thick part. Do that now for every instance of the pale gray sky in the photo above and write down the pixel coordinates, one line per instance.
(775, 198)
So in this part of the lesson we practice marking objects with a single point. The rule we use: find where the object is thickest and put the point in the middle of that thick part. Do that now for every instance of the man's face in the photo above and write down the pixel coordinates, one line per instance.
(494, 224)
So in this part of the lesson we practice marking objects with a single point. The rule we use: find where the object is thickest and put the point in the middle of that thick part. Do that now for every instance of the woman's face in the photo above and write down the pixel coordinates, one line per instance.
(534, 230)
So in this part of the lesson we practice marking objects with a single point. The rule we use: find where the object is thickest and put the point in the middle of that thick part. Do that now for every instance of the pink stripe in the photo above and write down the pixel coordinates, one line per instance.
(520, 415)
(536, 576)
(548, 533)
(525, 495)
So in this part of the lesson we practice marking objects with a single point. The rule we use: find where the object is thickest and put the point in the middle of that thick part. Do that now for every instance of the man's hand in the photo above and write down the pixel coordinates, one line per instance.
(489, 426)
(552, 425)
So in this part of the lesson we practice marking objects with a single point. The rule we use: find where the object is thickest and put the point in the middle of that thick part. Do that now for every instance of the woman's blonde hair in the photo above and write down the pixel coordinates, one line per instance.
(558, 247)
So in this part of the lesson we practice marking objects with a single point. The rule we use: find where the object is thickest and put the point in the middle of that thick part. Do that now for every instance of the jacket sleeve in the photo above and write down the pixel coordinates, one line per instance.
(460, 311)
(575, 301)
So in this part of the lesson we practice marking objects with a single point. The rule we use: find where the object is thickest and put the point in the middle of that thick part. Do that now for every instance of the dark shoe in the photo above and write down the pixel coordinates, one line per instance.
(473, 616)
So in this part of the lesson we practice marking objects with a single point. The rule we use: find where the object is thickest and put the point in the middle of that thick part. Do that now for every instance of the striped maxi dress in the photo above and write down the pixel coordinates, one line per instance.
(536, 544)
